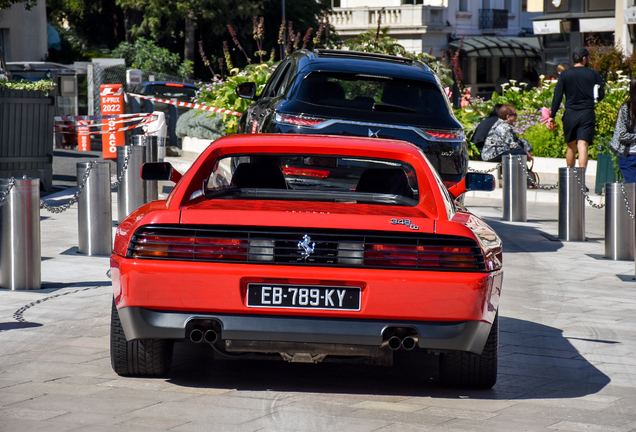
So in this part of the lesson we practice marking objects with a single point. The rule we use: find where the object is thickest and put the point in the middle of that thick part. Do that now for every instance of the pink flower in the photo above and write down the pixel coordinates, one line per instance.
(448, 91)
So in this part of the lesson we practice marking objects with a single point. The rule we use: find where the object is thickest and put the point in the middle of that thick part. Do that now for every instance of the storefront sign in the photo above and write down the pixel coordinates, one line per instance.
(546, 27)
(112, 98)
(629, 15)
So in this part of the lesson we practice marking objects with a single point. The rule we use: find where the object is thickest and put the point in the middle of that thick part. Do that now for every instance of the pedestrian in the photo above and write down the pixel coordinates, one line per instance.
(624, 139)
(582, 87)
(502, 139)
(482, 129)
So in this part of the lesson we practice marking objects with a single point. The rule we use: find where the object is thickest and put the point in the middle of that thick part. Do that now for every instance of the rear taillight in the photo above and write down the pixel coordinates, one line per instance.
(445, 133)
(298, 120)
(219, 248)
(166, 247)
(305, 172)
(379, 255)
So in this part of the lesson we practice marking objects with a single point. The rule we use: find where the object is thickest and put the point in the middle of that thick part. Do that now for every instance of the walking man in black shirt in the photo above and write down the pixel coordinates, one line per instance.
(582, 87)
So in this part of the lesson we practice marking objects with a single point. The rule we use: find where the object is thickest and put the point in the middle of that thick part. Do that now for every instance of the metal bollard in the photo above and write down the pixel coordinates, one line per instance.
(619, 225)
(94, 213)
(515, 185)
(571, 204)
(150, 143)
(159, 129)
(131, 192)
(20, 247)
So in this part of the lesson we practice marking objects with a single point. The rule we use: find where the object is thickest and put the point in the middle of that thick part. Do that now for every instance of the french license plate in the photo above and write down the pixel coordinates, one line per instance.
(303, 296)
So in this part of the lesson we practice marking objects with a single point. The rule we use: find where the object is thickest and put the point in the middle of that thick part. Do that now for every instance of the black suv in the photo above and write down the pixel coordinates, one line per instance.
(362, 94)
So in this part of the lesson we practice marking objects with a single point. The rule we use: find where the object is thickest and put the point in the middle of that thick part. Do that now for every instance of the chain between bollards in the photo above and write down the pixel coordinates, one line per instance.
(532, 180)
(485, 171)
(629, 208)
(74, 199)
(585, 194)
(122, 173)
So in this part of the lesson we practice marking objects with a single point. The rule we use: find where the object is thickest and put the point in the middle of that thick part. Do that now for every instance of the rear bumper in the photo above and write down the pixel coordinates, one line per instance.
(142, 323)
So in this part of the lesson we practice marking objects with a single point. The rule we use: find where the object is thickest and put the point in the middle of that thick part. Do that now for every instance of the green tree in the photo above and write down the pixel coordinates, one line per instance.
(146, 55)
(85, 26)
(28, 4)
(166, 18)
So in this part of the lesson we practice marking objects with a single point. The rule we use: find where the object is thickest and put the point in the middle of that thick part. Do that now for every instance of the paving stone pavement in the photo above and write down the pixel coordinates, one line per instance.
(567, 361)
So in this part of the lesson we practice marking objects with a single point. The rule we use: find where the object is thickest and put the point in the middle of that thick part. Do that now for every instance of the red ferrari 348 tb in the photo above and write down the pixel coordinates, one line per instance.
(303, 247)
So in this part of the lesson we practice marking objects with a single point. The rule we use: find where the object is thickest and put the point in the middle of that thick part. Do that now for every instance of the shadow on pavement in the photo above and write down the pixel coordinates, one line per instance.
(535, 362)
(17, 325)
(520, 238)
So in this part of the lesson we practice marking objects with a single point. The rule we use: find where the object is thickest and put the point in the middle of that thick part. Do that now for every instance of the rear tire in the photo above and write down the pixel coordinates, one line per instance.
(138, 358)
(467, 370)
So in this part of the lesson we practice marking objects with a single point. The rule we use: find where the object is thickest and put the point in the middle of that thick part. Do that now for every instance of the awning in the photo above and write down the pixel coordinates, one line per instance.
(492, 46)
(546, 27)
(596, 25)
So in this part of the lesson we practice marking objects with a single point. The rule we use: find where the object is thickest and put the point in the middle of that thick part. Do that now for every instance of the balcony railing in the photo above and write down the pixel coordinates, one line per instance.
(491, 19)
(404, 16)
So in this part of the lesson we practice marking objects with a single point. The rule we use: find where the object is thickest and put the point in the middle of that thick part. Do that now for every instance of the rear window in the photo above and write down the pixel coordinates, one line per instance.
(313, 178)
(372, 93)
(171, 91)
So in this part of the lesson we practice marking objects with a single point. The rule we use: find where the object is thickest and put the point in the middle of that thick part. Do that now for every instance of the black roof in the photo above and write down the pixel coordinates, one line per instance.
(360, 62)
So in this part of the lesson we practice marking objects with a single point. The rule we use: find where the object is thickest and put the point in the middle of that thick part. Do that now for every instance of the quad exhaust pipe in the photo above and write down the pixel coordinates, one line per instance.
(197, 335)
(406, 343)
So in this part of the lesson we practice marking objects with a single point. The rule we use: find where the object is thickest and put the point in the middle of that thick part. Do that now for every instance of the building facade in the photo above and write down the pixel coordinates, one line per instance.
(23, 33)
(568, 24)
(488, 33)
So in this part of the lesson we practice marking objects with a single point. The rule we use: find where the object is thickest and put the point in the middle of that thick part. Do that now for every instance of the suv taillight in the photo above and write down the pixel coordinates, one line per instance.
(442, 134)
(298, 120)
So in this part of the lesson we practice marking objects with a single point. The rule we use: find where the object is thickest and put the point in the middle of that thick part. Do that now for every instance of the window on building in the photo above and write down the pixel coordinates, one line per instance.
(524, 5)
(335, 3)
(463, 5)
(412, 2)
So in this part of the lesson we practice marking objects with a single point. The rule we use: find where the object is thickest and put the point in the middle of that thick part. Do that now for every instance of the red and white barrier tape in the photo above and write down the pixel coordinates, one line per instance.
(73, 129)
(186, 104)
(98, 117)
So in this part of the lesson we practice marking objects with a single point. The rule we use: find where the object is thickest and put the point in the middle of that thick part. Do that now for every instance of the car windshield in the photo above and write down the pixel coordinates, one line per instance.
(372, 93)
(313, 178)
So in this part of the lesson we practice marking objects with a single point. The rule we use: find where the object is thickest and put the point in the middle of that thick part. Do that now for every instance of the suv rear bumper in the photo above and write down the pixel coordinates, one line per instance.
(142, 323)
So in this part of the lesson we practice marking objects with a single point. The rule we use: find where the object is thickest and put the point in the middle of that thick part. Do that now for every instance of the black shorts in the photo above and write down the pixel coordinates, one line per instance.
(579, 125)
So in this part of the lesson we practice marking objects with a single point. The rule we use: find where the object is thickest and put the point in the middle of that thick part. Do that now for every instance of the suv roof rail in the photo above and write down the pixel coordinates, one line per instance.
(376, 56)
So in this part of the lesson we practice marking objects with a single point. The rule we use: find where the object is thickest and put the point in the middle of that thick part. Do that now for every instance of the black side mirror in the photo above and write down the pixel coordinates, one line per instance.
(159, 171)
(479, 182)
(473, 182)
(246, 90)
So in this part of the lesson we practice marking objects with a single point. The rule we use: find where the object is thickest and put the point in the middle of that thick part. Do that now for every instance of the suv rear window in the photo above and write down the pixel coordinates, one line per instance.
(171, 91)
(313, 178)
(372, 92)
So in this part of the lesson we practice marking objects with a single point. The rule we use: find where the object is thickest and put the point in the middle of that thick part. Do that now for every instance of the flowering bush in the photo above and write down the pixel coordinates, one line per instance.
(221, 93)
(529, 102)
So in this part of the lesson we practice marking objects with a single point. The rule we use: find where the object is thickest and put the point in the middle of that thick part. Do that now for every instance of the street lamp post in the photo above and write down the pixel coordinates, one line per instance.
(284, 32)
